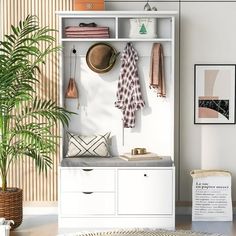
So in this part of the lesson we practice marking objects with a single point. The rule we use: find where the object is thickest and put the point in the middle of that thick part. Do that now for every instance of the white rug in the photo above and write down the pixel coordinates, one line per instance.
(137, 232)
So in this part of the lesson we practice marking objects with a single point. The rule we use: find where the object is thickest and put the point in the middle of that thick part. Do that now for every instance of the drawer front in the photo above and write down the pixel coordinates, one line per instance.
(74, 204)
(145, 191)
(87, 180)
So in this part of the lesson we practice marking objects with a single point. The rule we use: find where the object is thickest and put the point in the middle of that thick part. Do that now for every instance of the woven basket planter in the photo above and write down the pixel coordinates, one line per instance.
(11, 205)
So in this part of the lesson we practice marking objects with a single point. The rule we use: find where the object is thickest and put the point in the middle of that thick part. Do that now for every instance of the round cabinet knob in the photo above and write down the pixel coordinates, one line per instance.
(145, 175)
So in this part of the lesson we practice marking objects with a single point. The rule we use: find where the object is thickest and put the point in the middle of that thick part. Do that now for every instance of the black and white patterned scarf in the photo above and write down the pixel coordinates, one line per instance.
(129, 96)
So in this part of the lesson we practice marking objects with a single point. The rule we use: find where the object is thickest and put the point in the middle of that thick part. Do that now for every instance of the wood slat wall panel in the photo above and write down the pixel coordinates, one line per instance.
(36, 187)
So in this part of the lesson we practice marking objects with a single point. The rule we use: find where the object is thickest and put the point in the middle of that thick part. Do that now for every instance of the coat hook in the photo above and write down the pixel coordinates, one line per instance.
(74, 50)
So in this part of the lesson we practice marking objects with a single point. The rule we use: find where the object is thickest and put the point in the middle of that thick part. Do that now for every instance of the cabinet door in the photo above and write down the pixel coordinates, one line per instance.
(145, 191)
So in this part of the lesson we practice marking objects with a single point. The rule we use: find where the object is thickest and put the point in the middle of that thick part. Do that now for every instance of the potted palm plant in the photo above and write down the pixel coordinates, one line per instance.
(26, 121)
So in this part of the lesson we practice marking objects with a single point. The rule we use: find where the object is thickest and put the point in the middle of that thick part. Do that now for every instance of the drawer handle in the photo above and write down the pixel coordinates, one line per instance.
(145, 175)
(87, 192)
(87, 169)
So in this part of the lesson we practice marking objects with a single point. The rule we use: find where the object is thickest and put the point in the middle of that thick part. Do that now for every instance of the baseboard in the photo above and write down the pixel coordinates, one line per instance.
(40, 208)
(182, 208)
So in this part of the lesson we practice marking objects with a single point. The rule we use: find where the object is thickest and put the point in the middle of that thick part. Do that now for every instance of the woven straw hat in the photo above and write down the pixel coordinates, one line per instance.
(101, 57)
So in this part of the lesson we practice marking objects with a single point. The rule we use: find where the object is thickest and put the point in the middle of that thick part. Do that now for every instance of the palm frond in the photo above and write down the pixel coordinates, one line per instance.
(41, 160)
(38, 136)
(20, 54)
(46, 109)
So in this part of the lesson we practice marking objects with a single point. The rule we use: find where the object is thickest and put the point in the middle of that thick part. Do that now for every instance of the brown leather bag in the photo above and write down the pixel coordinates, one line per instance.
(72, 91)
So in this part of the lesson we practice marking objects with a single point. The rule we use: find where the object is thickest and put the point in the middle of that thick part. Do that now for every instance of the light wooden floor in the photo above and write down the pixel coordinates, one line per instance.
(47, 226)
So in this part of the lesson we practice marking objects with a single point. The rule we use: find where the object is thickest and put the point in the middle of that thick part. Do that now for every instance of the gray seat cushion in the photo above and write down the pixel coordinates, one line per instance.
(113, 162)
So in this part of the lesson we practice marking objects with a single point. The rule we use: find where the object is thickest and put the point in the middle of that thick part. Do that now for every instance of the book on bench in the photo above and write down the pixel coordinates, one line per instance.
(140, 157)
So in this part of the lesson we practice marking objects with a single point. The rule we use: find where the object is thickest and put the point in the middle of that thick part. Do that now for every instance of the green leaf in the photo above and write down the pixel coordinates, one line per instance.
(26, 121)
(15, 30)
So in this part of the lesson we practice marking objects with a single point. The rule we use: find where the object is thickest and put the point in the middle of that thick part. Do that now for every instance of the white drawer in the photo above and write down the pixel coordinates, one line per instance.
(145, 191)
(91, 180)
(74, 204)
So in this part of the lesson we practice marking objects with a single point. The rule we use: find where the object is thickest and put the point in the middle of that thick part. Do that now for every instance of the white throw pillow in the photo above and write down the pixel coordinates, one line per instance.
(88, 146)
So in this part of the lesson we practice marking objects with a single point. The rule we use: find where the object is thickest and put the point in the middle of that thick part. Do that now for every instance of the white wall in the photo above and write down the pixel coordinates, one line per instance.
(208, 35)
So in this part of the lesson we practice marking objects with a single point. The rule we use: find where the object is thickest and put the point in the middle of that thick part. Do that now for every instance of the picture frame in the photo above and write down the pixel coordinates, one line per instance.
(214, 93)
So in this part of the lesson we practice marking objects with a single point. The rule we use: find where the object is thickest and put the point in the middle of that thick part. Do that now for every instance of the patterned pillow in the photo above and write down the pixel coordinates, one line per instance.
(87, 146)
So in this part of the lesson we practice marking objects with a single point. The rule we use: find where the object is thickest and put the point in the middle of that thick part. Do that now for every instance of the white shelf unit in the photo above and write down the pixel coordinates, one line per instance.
(118, 213)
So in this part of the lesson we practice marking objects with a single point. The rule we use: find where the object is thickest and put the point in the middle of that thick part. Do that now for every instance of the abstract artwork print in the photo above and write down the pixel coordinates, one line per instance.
(214, 94)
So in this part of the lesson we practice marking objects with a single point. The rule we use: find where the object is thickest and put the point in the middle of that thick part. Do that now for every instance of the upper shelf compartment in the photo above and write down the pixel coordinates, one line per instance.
(143, 28)
(117, 25)
(105, 28)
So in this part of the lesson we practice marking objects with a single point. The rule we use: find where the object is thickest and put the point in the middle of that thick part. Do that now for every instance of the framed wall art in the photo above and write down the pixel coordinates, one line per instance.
(214, 94)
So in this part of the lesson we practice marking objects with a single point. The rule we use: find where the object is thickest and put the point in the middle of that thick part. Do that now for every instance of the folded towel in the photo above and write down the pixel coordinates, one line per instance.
(87, 36)
(81, 29)
(87, 32)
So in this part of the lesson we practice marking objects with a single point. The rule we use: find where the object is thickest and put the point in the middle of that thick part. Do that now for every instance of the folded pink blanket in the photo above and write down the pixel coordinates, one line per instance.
(81, 29)
(87, 32)
(87, 36)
